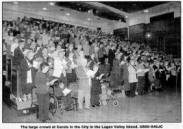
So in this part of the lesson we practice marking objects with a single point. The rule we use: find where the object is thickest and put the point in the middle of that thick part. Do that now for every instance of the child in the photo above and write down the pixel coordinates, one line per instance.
(104, 94)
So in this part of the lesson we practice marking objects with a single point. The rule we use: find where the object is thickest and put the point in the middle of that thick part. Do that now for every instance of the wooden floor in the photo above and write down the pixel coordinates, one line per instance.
(155, 107)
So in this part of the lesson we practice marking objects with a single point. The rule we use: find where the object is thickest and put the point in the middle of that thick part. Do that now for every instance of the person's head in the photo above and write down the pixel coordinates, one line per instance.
(44, 67)
(45, 52)
(139, 60)
(79, 47)
(83, 62)
(118, 56)
(106, 60)
(40, 42)
(61, 85)
(146, 64)
(71, 47)
(67, 45)
(113, 47)
(16, 28)
(11, 33)
(51, 47)
(81, 53)
(60, 43)
(92, 56)
(30, 55)
(101, 45)
(21, 44)
(22, 35)
(50, 62)
(15, 40)
(86, 42)
(132, 62)
(61, 54)
(33, 45)
(161, 63)
(58, 48)
(29, 41)
(172, 64)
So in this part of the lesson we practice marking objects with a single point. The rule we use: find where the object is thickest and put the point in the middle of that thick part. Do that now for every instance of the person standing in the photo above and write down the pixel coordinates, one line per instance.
(101, 54)
(86, 49)
(132, 77)
(27, 75)
(125, 77)
(111, 56)
(18, 54)
(84, 75)
(42, 92)
(141, 77)
(96, 87)
(115, 77)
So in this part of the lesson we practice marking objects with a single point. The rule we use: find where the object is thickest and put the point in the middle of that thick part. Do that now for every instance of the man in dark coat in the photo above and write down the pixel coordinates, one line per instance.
(125, 74)
(111, 56)
(18, 54)
(27, 82)
(42, 92)
(115, 77)
(96, 87)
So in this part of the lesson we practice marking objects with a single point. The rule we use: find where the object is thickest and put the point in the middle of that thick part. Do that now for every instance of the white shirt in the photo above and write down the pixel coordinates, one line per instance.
(59, 67)
(45, 38)
(132, 77)
(90, 75)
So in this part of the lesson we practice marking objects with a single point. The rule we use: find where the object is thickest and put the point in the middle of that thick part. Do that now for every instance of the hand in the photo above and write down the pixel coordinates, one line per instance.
(61, 85)
(95, 68)
(101, 76)
(47, 83)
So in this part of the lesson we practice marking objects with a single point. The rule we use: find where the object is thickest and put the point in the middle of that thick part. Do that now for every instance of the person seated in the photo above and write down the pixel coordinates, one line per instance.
(59, 92)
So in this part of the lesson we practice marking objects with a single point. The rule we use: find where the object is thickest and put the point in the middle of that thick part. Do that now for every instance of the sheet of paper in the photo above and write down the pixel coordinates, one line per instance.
(36, 64)
(52, 81)
(66, 91)
(13, 47)
(29, 76)
(58, 68)
(90, 73)
(146, 70)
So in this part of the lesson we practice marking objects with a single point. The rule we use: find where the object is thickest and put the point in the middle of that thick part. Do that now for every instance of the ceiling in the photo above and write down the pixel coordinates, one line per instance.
(131, 7)
(103, 12)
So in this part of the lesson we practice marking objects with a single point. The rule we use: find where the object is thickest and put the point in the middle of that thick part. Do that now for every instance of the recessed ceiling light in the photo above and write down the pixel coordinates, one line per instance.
(89, 19)
(68, 14)
(16, 2)
(146, 11)
(89, 11)
(44, 8)
(52, 3)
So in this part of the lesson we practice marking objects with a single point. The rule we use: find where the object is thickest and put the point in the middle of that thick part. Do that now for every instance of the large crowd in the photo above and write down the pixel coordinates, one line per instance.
(45, 50)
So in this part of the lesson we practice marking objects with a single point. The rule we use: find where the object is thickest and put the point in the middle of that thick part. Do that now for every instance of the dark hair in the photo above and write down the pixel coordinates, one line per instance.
(44, 64)
(139, 60)
(128, 59)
